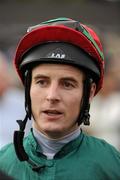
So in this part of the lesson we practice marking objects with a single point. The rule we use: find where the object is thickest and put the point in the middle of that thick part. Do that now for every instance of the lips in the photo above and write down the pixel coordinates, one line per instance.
(52, 112)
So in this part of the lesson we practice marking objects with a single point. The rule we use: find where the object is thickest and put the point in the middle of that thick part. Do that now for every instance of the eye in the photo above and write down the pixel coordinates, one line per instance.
(42, 82)
(68, 85)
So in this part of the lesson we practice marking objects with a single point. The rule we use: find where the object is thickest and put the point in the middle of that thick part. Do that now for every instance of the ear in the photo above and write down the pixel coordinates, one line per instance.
(92, 91)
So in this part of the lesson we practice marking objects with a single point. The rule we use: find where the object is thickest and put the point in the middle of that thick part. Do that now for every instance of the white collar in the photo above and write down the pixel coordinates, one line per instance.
(50, 147)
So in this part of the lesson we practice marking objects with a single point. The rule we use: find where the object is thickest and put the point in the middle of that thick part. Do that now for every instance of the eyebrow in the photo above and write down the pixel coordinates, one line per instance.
(69, 78)
(38, 76)
(72, 79)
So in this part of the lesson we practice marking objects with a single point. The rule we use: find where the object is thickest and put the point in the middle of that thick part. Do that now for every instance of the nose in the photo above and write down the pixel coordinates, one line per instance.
(53, 95)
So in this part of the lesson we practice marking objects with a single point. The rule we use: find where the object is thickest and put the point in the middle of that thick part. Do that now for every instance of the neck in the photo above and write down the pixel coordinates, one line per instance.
(50, 147)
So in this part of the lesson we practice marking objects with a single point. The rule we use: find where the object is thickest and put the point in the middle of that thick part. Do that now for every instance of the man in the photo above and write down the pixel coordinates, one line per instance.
(61, 64)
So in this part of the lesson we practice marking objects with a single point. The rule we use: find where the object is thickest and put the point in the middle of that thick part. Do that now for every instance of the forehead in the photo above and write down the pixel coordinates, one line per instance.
(57, 70)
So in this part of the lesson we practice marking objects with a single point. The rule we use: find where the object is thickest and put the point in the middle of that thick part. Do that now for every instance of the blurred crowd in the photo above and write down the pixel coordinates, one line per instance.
(105, 108)
(11, 101)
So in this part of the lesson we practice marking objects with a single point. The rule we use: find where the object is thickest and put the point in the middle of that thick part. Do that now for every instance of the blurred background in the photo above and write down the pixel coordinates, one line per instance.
(104, 17)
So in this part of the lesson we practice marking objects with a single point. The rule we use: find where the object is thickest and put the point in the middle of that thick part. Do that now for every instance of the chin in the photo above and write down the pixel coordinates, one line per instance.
(54, 135)
(54, 132)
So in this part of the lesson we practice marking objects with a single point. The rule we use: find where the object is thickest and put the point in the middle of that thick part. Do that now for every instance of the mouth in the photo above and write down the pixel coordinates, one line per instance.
(52, 112)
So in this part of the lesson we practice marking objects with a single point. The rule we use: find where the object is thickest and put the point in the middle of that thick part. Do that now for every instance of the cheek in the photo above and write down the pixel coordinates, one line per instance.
(74, 102)
(35, 98)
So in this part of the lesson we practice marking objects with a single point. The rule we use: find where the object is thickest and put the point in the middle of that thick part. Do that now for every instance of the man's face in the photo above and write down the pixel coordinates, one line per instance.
(56, 93)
